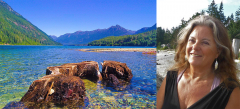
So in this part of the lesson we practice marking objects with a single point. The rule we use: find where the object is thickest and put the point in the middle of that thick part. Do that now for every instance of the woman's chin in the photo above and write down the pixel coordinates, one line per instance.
(195, 64)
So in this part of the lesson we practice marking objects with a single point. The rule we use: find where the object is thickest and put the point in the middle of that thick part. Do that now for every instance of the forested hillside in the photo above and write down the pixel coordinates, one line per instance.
(142, 39)
(169, 36)
(16, 30)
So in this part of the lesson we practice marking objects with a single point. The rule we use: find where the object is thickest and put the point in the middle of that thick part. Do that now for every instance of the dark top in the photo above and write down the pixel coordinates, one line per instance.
(216, 99)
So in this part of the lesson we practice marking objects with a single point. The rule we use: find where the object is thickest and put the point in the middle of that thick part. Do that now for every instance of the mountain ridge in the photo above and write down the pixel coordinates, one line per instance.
(84, 37)
(9, 8)
(16, 30)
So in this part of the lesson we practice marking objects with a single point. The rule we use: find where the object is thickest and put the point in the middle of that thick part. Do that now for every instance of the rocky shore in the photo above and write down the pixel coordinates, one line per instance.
(164, 60)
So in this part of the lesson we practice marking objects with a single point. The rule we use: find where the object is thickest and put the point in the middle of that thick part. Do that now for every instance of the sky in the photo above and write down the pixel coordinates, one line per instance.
(170, 12)
(58, 17)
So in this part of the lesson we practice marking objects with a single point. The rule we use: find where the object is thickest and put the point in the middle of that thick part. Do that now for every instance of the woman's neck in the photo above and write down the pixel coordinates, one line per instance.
(200, 73)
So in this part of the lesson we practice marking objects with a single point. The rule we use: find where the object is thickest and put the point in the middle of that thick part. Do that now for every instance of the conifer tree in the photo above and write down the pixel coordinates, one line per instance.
(202, 12)
(160, 35)
(237, 14)
(212, 10)
(221, 13)
(232, 17)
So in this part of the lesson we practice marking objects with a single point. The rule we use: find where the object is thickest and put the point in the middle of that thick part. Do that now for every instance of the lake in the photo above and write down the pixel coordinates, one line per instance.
(21, 65)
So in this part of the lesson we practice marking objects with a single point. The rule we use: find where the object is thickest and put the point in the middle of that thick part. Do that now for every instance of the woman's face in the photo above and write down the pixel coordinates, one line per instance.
(201, 49)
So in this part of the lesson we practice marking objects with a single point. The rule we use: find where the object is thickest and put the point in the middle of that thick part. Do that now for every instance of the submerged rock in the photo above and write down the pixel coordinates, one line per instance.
(55, 88)
(13, 105)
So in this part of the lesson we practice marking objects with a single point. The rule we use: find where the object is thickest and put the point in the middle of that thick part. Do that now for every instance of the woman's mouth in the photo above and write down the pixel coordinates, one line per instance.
(195, 55)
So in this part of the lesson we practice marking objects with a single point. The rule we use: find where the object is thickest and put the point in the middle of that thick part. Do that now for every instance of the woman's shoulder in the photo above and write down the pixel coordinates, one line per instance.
(172, 75)
(175, 72)
(172, 71)
(234, 100)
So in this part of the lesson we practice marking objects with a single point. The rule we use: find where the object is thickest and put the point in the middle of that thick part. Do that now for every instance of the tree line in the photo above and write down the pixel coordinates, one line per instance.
(141, 39)
(232, 23)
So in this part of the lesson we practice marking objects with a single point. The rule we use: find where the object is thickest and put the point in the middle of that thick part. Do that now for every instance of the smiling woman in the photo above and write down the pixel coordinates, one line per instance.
(194, 82)
(201, 48)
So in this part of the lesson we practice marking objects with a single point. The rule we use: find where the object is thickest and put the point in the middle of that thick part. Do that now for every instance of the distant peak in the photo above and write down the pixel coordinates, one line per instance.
(117, 26)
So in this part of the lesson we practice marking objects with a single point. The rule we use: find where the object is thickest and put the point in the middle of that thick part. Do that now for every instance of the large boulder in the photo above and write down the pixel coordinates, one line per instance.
(57, 89)
(68, 70)
(116, 74)
(118, 69)
(85, 70)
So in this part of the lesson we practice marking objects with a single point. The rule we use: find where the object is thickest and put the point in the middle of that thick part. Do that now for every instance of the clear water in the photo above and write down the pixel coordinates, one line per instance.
(21, 65)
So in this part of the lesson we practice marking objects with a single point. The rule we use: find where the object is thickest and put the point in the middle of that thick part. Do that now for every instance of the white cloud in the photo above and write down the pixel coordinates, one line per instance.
(170, 12)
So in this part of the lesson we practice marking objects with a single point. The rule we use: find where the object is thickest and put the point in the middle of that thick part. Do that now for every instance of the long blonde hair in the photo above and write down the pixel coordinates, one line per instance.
(226, 65)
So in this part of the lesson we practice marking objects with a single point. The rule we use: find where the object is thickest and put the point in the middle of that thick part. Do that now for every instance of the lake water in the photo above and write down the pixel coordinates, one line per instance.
(21, 65)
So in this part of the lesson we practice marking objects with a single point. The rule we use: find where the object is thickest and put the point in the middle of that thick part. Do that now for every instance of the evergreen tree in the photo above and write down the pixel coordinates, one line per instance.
(237, 14)
(221, 13)
(202, 12)
(227, 22)
(183, 23)
(232, 17)
(194, 16)
(160, 36)
(212, 10)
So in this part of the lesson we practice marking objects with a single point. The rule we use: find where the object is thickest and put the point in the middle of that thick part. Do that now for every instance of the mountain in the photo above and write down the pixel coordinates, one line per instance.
(53, 37)
(84, 37)
(16, 30)
(145, 29)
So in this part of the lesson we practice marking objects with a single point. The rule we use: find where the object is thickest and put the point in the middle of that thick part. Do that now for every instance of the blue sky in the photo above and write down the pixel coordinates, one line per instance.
(186, 8)
(58, 17)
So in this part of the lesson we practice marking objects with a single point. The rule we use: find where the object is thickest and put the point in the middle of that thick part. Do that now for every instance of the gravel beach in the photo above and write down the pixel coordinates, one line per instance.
(164, 60)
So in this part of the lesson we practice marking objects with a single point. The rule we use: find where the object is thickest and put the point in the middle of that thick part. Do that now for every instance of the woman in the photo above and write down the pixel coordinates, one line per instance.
(195, 82)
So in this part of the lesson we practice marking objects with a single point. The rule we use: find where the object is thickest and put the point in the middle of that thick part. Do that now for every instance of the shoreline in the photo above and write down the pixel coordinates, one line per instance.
(118, 49)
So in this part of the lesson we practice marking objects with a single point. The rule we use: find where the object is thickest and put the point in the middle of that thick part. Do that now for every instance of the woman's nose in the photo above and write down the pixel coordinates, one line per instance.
(195, 46)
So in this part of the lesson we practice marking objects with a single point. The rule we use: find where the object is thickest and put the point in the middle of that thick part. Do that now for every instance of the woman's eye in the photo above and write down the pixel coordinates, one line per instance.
(206, 43)
(191, 40)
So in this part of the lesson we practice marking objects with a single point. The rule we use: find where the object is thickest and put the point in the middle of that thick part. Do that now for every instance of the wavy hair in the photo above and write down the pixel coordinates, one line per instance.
(226, 65)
